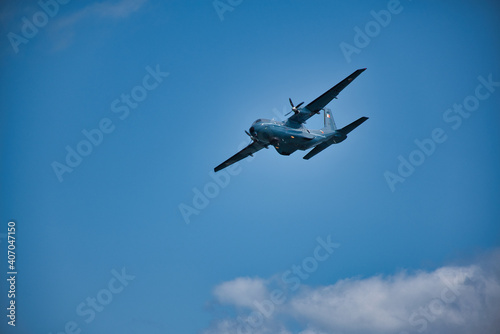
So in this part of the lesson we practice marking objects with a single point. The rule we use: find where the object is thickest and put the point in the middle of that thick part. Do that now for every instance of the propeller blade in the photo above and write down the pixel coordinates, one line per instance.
(251, 137)
(295, 109)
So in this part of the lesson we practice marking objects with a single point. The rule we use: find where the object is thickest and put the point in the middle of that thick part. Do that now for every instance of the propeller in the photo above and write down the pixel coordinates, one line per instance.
(254, 139)
(295, 109)
(249, 135)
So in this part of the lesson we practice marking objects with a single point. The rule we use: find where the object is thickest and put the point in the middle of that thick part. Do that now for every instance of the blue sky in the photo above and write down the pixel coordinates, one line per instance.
(165, 90)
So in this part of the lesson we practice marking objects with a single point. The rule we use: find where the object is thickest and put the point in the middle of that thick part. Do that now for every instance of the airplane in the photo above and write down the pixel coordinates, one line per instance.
(291, 135)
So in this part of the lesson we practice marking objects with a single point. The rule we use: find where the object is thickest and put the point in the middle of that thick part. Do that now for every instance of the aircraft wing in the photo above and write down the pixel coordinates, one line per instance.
(315, 106)
(324, 99)
(249, 150)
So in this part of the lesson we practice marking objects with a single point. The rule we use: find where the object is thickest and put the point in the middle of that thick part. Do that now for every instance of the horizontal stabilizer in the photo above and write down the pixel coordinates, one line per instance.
(348, 128)
(317, 149)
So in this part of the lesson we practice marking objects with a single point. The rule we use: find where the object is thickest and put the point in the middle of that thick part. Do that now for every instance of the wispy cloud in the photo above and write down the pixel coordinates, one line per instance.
(451, 299)
(107, 9)
(63, 30)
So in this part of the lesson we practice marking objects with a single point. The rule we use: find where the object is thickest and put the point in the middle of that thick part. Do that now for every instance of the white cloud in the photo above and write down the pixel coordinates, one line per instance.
(451, 299)
(241, 292)
(231, 326)
(379, 304)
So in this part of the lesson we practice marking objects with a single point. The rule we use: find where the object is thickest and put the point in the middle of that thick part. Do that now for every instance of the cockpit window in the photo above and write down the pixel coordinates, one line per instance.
(262, 120)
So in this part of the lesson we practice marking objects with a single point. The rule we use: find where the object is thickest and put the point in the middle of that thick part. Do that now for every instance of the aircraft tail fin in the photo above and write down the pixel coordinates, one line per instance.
(329, 122)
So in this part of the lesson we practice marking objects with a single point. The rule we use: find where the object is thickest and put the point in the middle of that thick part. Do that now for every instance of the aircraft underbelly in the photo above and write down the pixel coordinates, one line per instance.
(286, 143)
(285, 149)
(286, 140)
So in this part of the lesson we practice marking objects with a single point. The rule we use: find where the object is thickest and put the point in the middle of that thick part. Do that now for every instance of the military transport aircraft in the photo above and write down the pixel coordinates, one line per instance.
(291, 135)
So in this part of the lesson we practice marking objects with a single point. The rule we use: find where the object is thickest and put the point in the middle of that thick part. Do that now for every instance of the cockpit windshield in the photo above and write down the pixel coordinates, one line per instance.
(261, 120)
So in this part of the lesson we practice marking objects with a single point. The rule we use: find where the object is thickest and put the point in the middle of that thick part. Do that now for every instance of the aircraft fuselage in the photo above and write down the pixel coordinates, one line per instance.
(287, 140)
